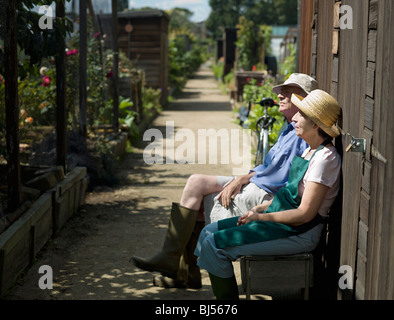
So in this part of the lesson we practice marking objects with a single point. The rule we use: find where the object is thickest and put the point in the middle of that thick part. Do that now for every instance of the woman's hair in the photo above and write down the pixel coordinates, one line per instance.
(323, 134)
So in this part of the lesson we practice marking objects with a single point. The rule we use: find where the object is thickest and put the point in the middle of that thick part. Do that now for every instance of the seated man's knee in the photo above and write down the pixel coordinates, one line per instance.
(195, 179)
(195, 182)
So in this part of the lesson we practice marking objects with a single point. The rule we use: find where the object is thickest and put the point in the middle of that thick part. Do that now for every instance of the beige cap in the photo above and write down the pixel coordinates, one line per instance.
(301, 80)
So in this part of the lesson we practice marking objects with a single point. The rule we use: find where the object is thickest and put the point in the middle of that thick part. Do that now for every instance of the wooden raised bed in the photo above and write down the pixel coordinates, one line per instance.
(29, 233)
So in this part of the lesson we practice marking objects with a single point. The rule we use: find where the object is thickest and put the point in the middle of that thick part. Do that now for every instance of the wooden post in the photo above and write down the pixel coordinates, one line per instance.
(82, 67)
(12, 108)
(115, 48)
(61, 114)
(94, 17)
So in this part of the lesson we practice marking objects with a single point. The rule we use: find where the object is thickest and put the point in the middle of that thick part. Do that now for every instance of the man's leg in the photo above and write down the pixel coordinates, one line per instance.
(200, 185)
(168, 259)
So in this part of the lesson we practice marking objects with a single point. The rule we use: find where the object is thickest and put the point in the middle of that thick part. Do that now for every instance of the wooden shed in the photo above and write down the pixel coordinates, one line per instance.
(348, 46)
(143, 37)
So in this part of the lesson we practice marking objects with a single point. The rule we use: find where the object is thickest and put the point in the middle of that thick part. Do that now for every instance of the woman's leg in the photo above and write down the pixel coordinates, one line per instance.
(219, 261)
(224, 287)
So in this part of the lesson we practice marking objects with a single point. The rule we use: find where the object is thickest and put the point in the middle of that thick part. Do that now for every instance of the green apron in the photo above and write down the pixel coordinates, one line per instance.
(287, 198)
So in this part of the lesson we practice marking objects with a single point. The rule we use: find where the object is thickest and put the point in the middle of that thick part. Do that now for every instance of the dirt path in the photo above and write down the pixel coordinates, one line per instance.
(90, 255)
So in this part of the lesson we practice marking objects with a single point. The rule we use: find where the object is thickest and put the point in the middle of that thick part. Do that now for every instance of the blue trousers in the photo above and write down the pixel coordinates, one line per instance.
(219, 261)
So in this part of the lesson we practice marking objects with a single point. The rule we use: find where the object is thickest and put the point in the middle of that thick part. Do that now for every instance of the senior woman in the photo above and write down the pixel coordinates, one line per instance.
(293, 220)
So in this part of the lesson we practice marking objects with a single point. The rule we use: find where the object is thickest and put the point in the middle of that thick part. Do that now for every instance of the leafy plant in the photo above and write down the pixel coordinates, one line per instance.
(288, 66)
(255, 91)
(252, 44)
(184, 59)
(127, 117)
(218, 69)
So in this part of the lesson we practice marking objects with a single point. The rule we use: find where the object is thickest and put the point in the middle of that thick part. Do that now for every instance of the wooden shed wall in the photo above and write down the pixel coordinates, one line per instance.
(147, 44)
(357, 67)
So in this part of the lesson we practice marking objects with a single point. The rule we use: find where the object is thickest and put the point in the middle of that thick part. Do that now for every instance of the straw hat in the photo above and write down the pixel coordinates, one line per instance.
(300, 80)
(321, 108)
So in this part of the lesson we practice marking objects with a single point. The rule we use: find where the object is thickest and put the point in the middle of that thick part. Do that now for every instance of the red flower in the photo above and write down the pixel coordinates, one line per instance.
(109, 74)
(254, 68)
(96, 35)
(46, 82)
(248, 79)
(71, 52)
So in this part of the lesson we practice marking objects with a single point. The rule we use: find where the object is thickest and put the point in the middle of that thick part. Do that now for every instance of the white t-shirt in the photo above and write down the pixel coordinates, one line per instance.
(324, 168)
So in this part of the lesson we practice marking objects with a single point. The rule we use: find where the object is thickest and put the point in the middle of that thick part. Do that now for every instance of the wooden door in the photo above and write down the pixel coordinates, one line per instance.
(365, 78)
(352, 73)
(379, 264)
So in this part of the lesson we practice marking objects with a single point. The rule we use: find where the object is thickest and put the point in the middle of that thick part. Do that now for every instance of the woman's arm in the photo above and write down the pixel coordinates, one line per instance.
(254, 211)
(311, 201)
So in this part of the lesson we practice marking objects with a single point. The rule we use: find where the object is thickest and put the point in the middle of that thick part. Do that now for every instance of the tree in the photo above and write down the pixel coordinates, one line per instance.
(123, 5)
(226, 13)
(180, 20)
(286, 11)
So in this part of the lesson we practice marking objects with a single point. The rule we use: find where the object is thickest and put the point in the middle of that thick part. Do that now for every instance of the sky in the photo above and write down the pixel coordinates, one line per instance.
(200, 8)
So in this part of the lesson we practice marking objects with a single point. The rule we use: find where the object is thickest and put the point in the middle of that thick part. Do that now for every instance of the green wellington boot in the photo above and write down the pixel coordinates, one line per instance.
(180, 228)
(224, 288)
(189, 275)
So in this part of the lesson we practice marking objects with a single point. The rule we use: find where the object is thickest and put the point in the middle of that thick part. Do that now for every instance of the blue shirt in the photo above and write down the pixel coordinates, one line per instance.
(274, 172)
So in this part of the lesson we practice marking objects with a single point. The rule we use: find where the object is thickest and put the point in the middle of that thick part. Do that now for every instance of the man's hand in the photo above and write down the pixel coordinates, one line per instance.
(229, 192)
(233, 188)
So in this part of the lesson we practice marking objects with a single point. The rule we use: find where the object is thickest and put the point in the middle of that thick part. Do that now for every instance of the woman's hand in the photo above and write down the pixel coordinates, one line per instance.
(251, 215)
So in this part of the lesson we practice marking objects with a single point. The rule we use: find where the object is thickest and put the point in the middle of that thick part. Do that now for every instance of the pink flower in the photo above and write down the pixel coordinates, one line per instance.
(71, 52)
(46, 81)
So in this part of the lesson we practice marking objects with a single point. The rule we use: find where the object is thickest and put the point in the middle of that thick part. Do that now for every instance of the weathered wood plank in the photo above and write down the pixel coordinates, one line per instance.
(366, 178)
(335, 69)
(362, 237)
(364, 206)
(372, 34)
(370, 79)
(373, 14)
(368, 112)
(360, 276)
